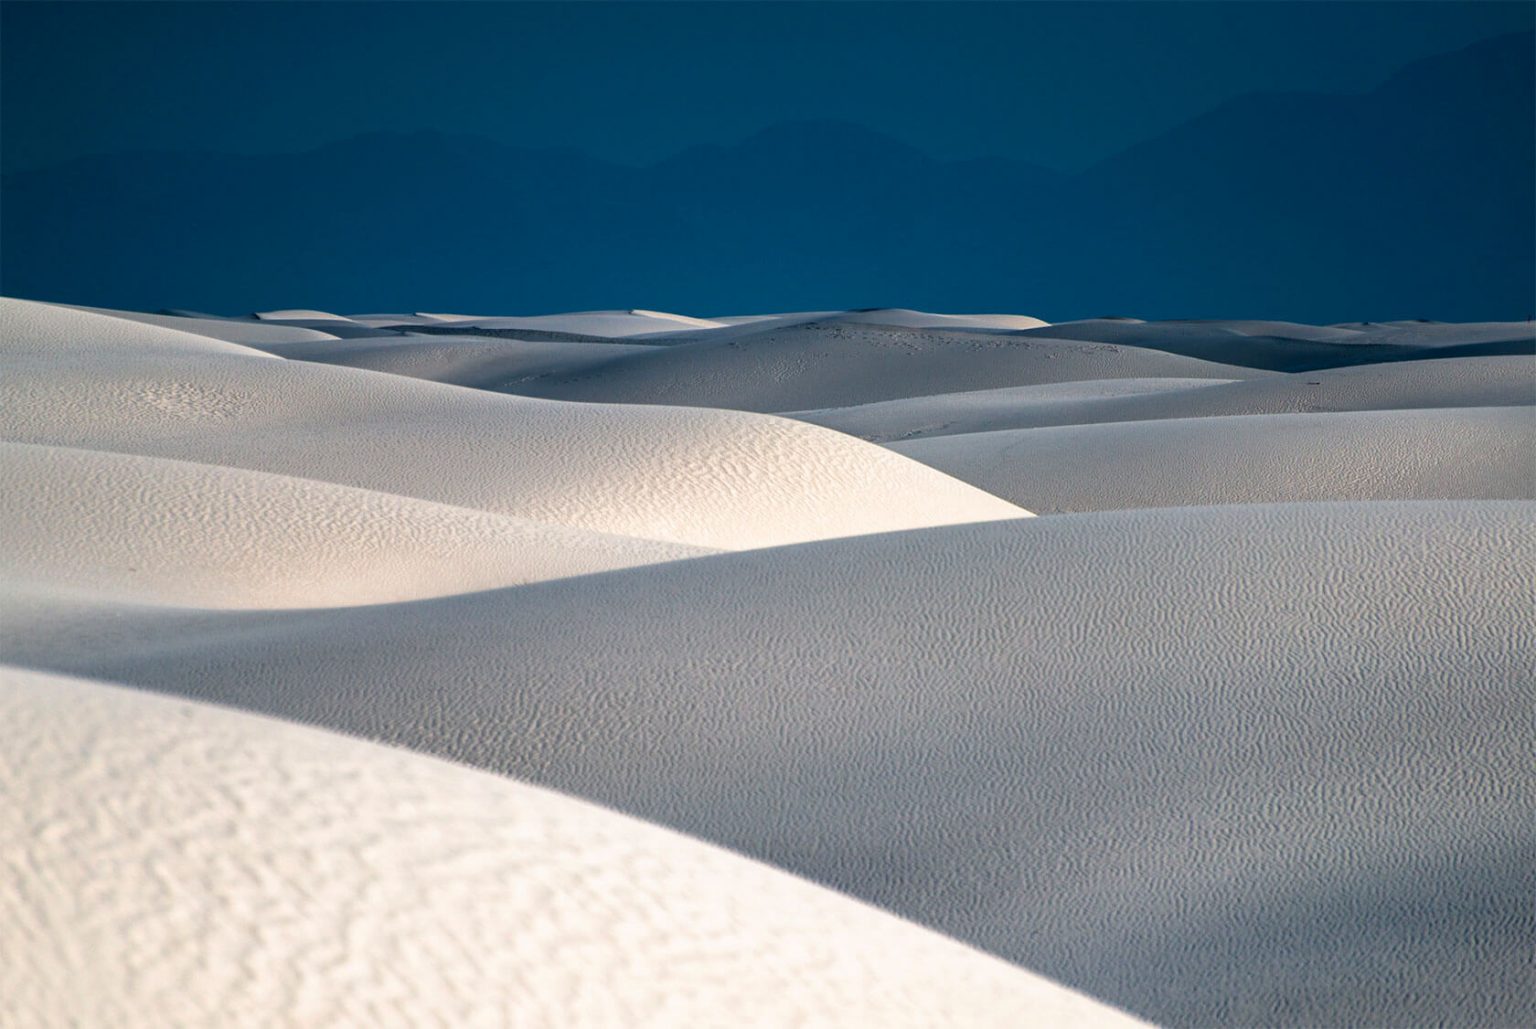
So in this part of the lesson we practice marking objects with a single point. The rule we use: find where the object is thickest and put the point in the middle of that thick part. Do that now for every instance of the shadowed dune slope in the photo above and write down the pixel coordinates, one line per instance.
(1498, 381)
(318, 874)
(154, 531)
(705, 478)
(606, 324)
(833, 364)
(906, 318)
(984, 410)
(736, 327)
(1289, 347)
(479, 362)
(1471, 453)
(1240, 765)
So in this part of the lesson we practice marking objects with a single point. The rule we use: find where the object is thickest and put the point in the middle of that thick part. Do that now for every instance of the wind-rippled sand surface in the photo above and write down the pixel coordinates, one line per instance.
(1238, 733)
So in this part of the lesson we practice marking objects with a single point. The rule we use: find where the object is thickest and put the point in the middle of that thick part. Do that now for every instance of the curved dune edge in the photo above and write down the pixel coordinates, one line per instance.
(830, 363)
(1458, 453)
(608, 324)
(263, 872)
(32, 329)
(1240, 765)
(1252, 762)
(1497, 381)
(153, 531)
(706, 478)
(478, 362)
(986, 410)
(247, 331)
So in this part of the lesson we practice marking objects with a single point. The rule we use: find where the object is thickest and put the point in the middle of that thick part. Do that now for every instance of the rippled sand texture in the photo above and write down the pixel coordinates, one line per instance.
(1237, 732)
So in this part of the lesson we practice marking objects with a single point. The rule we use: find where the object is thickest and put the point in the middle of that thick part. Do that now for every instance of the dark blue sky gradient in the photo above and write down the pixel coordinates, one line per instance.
(1060, 84)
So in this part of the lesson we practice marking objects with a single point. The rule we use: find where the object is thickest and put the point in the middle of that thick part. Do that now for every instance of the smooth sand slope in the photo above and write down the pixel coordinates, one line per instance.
(1219, 763)
(607, 324)
(233, 330)
(833, 364)
(704, 478)
(31, 331)
(263, 873)
(1241, 765)
(896, 317)
(1499, 381)
(152, 531)
(985, 410)
(299, 314)
(1472, 453)
(910, 319)
(737, 326)
(480, 362)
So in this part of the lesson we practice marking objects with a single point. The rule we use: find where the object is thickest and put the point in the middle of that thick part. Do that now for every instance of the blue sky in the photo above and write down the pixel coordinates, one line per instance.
(1060, 84)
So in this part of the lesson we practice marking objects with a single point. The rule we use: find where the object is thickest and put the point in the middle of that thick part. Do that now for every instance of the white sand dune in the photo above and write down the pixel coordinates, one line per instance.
(904, 318)
(1287, 346)
(479, 362)
(610, 324)
(985, 410)
(299, 314)
(1241, 765)
(232, 330)
(262, 873)
(740, 326)
(716, 479)
(1500, 381)
(380, 319)
(832, 364)
(152, 531)
(332, 326)
(1127, 330)
(1443, 334)
(1228, 762)
(891, 316)
(29, 330)
(1471, 453)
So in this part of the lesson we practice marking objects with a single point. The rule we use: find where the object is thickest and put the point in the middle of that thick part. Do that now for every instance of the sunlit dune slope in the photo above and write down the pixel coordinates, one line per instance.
(1228, 765)
(265, 873)
(706, 478)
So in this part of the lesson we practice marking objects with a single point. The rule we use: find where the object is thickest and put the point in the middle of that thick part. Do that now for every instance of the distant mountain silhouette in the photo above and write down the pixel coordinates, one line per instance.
(1415, 199)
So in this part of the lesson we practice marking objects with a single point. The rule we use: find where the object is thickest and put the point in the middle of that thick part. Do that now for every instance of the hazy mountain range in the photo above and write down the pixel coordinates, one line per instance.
(1412, 200)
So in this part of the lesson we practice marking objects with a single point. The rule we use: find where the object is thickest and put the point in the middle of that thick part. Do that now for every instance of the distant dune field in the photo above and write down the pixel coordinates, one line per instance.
(1237, 731)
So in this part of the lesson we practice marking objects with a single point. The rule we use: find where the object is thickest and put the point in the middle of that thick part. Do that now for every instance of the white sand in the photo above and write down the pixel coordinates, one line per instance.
(233, 330)
(611, 324)
(61, 334)
(299, 314)
(889, 316)
(1286, 346)
(705, 478)
(905, 318)
(1255, 765)
(480, 362)
(833, 364)
(1500, 381)
(1471, 453)
(152, 531)
(180, 864)
(1226, 763)
(985, 410)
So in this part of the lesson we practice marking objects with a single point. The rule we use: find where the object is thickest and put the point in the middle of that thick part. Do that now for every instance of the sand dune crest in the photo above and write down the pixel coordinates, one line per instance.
(265, 873)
